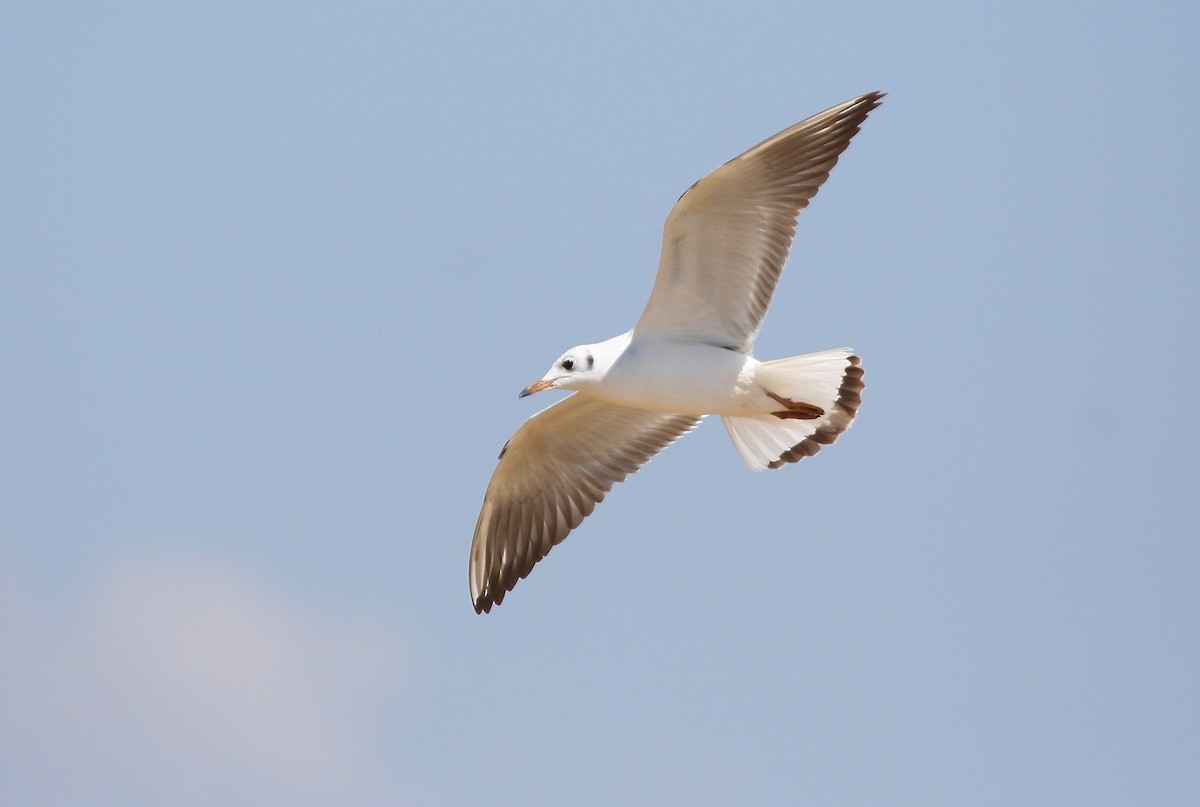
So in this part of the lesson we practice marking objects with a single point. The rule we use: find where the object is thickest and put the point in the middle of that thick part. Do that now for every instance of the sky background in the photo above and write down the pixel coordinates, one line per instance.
(272, 275)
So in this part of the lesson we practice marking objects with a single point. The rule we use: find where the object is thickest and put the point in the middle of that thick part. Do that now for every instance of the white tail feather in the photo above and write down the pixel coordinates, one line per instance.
(831, 380)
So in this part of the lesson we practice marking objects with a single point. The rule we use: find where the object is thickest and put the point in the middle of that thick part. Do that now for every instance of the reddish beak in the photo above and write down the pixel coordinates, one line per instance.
(536, 386)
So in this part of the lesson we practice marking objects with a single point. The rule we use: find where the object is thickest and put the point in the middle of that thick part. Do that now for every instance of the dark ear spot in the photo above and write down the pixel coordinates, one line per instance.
(591, 361)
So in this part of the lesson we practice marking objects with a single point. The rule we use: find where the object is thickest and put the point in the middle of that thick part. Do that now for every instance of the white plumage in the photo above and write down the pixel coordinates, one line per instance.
(689, 355)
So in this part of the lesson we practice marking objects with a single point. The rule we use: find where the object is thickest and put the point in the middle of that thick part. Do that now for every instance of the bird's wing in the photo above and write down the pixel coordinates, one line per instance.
(551, 475)
(728, 236)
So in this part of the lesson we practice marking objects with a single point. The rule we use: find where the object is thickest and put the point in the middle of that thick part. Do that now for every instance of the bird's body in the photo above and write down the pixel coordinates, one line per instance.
(688, 356)
(662, 376)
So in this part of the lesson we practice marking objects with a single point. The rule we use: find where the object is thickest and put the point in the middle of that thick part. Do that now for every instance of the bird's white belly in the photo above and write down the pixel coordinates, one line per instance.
(687, 378)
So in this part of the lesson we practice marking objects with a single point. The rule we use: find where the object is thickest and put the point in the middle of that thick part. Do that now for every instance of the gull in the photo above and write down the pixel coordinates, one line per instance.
(689, 355)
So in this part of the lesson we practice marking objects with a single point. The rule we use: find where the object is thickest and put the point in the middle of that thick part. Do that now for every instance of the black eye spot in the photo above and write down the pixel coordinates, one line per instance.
(568, 364)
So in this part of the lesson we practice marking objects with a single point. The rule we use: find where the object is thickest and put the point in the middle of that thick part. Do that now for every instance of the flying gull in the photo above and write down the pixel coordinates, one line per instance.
(689, 355)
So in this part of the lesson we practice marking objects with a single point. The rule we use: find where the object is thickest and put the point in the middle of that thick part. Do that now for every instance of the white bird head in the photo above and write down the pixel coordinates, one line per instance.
(579, 367)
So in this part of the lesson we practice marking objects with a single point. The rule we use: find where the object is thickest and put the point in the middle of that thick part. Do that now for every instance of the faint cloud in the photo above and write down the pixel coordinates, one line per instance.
(180, 680)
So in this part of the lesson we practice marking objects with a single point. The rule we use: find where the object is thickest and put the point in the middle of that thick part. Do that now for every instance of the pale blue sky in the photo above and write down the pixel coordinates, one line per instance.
(272, 277)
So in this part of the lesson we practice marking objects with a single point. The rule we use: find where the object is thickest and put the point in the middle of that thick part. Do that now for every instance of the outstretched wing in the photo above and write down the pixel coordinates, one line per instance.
(551, 475)
(728, 237)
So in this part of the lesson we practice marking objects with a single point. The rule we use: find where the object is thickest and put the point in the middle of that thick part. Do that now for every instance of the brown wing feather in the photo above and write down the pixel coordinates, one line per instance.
(552, 474)
(727, 239)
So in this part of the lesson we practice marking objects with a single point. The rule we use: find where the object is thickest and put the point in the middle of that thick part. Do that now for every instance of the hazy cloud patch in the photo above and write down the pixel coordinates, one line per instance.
(185, 680)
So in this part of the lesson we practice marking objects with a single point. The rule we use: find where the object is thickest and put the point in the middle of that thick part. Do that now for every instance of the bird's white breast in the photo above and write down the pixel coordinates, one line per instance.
(683, 377)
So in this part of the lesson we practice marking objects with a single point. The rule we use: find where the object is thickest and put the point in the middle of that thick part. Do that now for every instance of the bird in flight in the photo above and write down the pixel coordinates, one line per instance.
(689, 355)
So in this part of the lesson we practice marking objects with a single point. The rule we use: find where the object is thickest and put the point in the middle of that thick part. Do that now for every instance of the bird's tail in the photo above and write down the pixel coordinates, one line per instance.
(818, 396)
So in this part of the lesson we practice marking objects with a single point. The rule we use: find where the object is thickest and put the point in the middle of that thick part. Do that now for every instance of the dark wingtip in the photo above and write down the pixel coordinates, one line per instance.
(484, 602)
(873, 98)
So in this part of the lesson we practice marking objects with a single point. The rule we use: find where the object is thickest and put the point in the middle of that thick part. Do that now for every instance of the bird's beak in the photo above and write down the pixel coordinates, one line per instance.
(536, 386)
